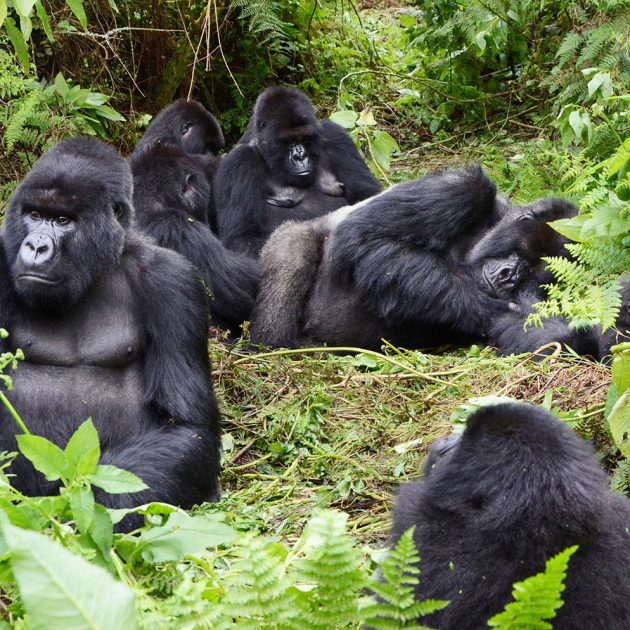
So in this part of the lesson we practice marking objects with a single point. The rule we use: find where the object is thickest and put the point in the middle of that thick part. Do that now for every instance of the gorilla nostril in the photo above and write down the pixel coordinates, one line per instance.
(36, 249)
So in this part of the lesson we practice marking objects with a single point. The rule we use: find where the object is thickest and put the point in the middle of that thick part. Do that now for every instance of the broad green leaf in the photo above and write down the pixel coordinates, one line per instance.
(621, 366)
(480, 38)
(606, 220)
(47, 457)
(154, 508)
(3, 11)
(383, 146)
(101, 531)
(61, 85)
(109, 113)
(78, 10)
(83, 450)
(26, 26)
(571, 228)
(43, 18)
(81, 502)
(619, 424)
(347, 118)
(96, 99)
(19, 45)
(576, 122)
(61, 591)
(116, 480)
(183, 535)
(24, 7)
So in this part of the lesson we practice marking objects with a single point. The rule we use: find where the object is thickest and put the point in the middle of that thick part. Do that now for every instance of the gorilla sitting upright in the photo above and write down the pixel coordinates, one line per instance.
(415, 265)
(517, 488)
(112, 326)
(288, 166)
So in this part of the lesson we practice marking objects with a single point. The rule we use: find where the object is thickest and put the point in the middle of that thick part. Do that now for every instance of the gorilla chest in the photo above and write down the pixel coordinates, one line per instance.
(103, 330)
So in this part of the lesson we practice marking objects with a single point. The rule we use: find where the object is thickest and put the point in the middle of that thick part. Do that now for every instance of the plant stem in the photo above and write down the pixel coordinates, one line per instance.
(14, 414)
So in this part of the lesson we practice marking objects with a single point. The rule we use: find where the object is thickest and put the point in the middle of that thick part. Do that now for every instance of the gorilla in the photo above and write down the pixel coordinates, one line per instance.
(113, 327)
(517, 487)
(410, 264)
(191, 127)
(288, 165)
(170, 196)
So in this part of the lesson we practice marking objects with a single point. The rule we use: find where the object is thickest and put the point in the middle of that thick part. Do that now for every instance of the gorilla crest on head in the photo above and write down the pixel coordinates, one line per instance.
(287, 134)
(189, 125)
(78, 183)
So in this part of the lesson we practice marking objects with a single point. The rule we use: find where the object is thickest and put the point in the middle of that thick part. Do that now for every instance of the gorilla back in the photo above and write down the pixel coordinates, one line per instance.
(517, 488)
(112, 327)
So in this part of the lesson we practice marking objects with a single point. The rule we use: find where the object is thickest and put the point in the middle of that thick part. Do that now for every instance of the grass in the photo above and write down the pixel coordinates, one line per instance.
(314, 429)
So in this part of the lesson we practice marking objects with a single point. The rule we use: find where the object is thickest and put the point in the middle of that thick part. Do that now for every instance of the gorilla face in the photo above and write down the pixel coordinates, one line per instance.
(187, 124)
(288, 134)
(56, 244)
(502, 276)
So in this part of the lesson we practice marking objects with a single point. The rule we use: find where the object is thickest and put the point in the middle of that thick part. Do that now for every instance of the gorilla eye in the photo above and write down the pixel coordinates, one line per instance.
(62, 220)
(504, 274)
(186, 127)
(36, 216)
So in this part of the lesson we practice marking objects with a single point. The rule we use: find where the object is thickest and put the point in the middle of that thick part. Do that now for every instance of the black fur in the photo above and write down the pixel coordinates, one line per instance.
(256, 186)
(189, 126)
(120, 337)
(518, 488)
(409, 265)
(170, 193)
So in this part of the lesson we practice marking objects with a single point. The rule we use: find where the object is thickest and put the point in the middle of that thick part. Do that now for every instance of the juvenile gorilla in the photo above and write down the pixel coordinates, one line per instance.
(517, 488)
(289, 165)
(396, 266)
(170, 197)
(191, 127)
(113, 327)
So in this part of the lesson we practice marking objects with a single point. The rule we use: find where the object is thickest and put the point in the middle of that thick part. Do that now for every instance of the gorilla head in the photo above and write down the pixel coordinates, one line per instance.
(66, 222)
(509, 255)
(187, 124)
(288, 135)
(516, 488)
(167, 177)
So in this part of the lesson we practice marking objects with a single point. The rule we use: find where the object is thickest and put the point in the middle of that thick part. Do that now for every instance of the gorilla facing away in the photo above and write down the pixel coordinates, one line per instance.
(289, 165)
(171, 194)
(112, 326)
(411, 265)
(517, 488)
(189, 126)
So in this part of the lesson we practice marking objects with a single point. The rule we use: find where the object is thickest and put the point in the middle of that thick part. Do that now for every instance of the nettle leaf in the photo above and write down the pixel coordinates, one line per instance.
(45, 456)
(83, 450)
(62, 591)
(81, 502)
(183, 535)
(116, 480)
(571, 228)
(606, 221)
(101, 530)
(346, 118)
(366, 118)
(383, 146)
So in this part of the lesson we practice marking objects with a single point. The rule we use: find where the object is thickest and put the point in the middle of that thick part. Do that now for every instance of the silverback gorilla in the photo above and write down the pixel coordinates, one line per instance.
(515, 489)
(438, 260)
(288, 165)
(170, 196)
(113, 327)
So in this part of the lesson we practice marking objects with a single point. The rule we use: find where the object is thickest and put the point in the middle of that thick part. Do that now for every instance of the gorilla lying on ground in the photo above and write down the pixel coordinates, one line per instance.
(415, 264)
(113, 327)
(191, 127)
(288, 165)
(170, 197)
(515, 489)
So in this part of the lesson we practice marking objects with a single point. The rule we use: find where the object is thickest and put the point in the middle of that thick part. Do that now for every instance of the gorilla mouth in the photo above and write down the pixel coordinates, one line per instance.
(301, 173)
(31, 277)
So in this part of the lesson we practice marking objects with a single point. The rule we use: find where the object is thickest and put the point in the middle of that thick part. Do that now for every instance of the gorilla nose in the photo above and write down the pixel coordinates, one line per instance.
(36, 250)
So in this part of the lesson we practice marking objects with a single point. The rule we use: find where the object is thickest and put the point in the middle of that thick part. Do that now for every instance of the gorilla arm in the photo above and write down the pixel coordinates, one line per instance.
(232, 278)
(181, 452)
(347, 164)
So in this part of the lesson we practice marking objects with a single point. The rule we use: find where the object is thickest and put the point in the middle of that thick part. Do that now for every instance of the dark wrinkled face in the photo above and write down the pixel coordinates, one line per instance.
(501, 277)
(58, 243)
